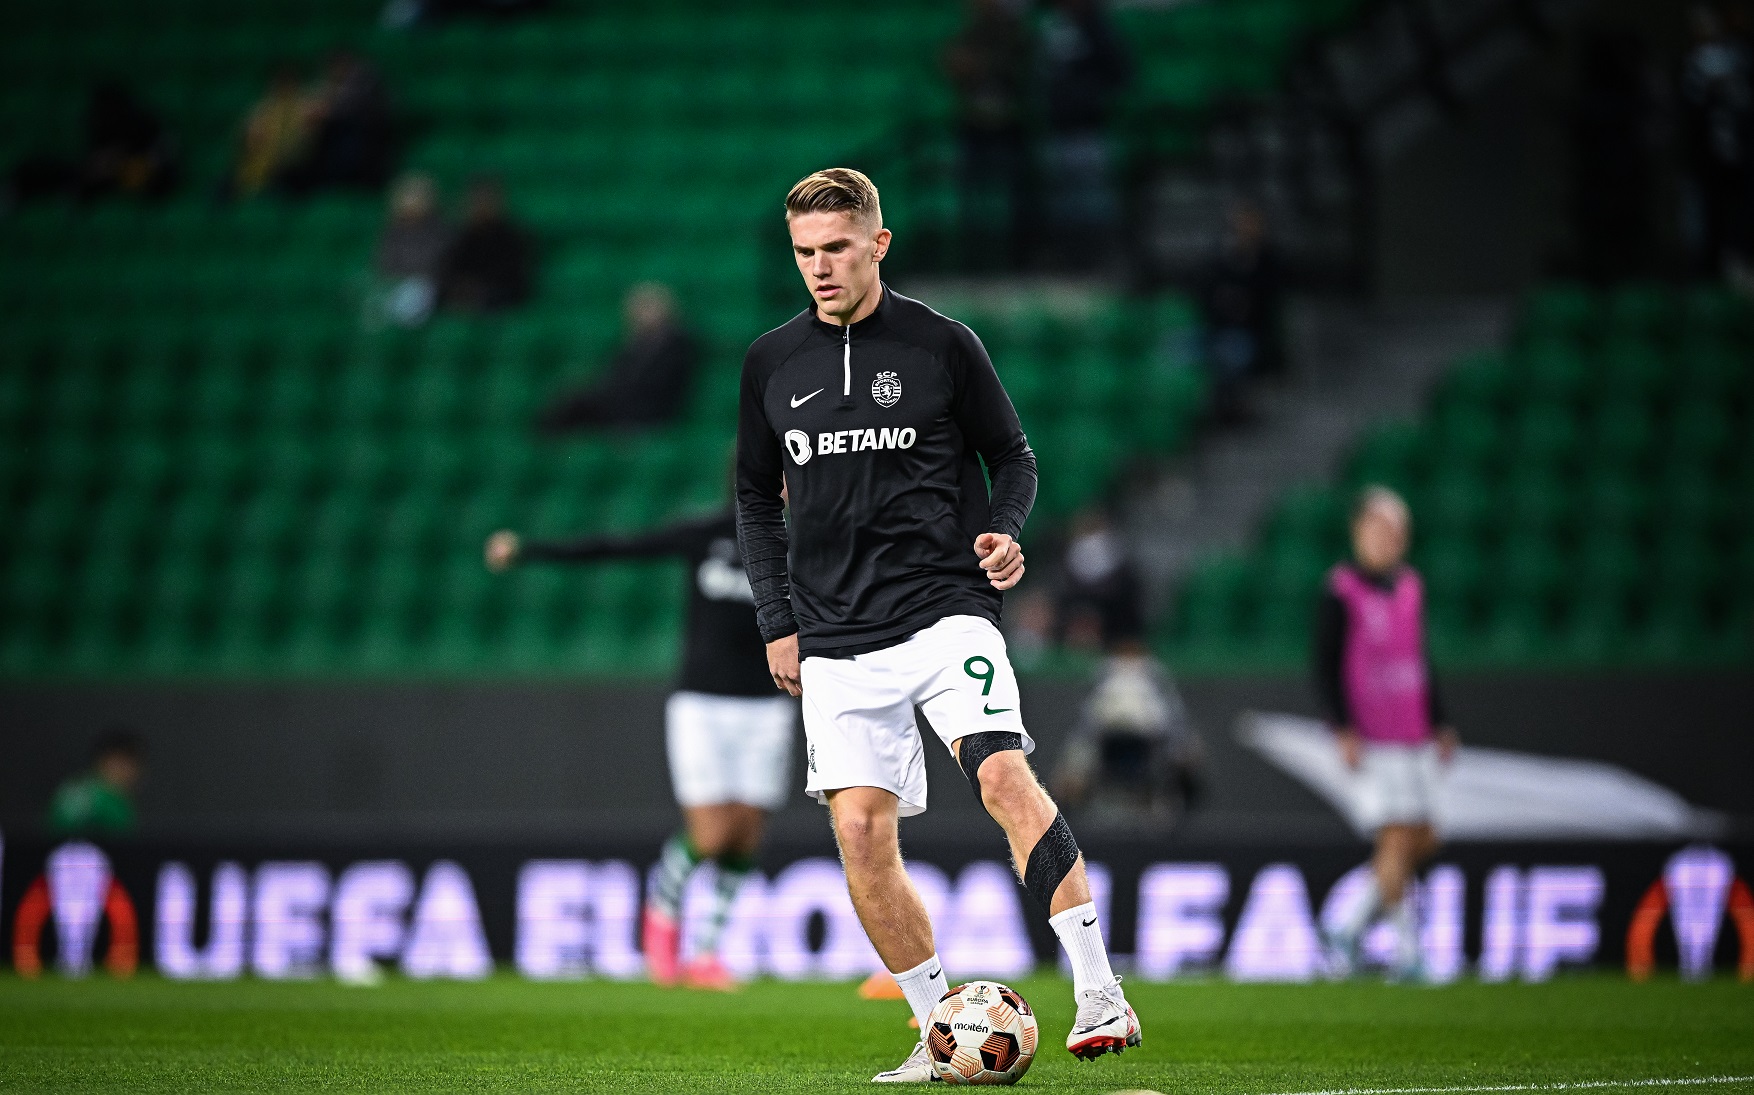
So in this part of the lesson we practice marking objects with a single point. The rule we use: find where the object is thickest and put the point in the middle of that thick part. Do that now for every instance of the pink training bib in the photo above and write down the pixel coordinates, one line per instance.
(1383, 665)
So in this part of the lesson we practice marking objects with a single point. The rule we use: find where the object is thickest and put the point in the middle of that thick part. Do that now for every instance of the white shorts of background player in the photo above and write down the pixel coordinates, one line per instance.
(1398, 783)
(729, 748)
(859, 711)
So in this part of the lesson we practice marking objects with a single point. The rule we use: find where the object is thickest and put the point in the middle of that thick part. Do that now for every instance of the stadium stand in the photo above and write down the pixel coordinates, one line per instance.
(1579, 500)
(217, 469)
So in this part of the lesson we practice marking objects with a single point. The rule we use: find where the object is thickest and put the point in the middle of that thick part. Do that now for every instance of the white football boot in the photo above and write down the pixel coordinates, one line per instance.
(1339, 954)
(1105, 1024)
(917, 1069)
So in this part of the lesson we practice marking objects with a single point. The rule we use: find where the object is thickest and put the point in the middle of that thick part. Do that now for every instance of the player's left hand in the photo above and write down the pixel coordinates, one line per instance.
(1001, 558)
(1448, 741)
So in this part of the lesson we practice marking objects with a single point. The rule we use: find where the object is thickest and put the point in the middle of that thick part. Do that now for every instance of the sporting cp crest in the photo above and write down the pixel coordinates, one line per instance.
(886, 389)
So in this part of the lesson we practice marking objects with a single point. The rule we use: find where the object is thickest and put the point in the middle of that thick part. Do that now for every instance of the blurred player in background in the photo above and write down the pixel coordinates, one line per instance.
(876, 415)
(1373, 674)
(729, 737)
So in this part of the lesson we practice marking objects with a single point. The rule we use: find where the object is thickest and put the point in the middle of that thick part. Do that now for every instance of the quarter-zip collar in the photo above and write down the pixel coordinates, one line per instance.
(863, 327)
(845, 335)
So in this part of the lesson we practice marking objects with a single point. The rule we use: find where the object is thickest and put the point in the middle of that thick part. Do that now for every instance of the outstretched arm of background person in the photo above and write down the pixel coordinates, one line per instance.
(506, 549)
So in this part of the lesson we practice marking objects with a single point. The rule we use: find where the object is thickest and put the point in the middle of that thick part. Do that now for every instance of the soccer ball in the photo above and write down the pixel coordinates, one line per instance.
(981, 1033)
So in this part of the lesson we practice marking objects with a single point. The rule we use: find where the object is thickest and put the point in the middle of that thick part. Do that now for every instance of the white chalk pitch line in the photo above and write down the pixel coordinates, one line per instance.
(1576, 1085)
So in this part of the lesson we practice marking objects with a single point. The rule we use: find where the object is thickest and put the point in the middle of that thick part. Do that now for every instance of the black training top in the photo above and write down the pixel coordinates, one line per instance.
(1330, 654)
(880, 430)
(723, 653)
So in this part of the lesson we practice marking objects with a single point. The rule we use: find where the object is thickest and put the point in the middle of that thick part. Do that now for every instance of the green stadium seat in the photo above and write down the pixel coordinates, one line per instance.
(1538, 500)
(1631, 370)
(1545, 434)
(1531, 567)
(1515, 631)
(1700, 431)
(1453, 569)
(1621, 433)
(1455, 503)
(1640, 311)
(1615, 503)
(1467, 435)
(1608, 565)
(1714, 371)
(1568, 312)
(1217, 602)
(1555, 370)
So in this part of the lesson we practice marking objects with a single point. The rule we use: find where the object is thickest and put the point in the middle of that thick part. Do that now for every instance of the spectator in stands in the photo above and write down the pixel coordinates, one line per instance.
(1101, 598)
(649, 378)
(411, 251)
(1134, 755)
(128, 151)
(274, 136)
(1083, 68)
(488, 267)
(1717, 127)
(988, 63)
(352, 140)
(1241, 300)
(99, 802)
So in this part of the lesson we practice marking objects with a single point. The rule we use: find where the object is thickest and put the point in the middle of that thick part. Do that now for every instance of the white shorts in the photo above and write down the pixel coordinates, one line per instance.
(1399, 783)
(859, 711)
(729, 748)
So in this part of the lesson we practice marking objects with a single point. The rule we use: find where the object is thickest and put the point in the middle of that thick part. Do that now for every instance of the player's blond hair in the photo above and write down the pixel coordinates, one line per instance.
(837, 190)
(1376, 496)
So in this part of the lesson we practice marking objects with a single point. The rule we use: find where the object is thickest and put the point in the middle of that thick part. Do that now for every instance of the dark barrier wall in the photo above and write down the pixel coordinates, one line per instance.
(1246, 912)
(479, 760)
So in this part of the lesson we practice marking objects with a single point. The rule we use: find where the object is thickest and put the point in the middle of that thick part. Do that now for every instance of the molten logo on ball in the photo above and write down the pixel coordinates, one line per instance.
(981, 1033)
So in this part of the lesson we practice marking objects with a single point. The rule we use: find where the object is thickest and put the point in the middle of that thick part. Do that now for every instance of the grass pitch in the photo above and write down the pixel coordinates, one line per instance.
(150, 1035)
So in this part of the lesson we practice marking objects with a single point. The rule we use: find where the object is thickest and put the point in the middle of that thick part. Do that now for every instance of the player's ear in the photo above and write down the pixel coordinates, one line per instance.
(882, 239)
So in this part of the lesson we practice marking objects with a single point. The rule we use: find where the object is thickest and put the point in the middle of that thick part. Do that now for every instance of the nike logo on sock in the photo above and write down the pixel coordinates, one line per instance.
(797, 402)
(937, 974)
(1089, 922)
(985, 710)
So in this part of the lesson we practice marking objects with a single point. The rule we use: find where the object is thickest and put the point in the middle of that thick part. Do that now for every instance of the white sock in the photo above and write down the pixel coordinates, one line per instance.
(1363, 913)
(1081, 935)
(922, 986)
(1406, 923)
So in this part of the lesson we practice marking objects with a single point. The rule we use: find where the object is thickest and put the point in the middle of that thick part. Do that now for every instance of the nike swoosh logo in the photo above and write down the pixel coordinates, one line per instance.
(1089, 922)
(985, 710)
(935, 976)
(796, 402)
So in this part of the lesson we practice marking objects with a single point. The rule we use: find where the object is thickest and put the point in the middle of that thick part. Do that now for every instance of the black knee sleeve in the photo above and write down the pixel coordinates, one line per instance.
(1050, 861)
(978, 747)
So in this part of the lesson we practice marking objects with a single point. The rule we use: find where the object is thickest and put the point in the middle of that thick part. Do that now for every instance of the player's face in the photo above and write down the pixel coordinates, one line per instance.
(838, 257)
(1379, 538)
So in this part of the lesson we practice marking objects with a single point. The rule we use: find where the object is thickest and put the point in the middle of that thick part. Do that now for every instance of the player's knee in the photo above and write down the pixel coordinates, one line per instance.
(991, 760)
(1007, 783)
(864, 836)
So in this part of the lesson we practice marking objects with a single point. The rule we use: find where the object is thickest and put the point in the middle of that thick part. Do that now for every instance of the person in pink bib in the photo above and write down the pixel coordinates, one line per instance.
(1374, 678)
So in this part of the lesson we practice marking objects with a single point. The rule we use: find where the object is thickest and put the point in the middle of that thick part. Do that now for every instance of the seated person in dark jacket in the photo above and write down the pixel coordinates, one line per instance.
(489, 264)
(648, 379)
(352, 140)
(128, 151)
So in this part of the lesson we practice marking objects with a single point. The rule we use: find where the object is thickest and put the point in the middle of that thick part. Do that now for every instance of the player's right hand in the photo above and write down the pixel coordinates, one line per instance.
(782, 663)
(501, 551)
(1351, 747)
